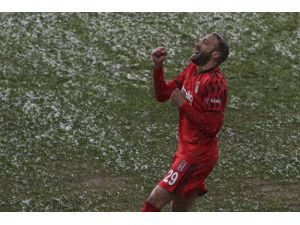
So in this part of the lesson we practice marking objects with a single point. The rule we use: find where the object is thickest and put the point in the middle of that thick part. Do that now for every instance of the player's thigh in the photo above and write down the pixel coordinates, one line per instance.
(159, 197)
(184, 204)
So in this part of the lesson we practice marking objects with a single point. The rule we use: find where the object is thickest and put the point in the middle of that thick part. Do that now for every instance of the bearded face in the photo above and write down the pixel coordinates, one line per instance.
(200, 58)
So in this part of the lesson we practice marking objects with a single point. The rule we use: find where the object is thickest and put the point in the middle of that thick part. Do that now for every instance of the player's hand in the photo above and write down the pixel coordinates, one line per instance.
(178, 97)
(159, 55)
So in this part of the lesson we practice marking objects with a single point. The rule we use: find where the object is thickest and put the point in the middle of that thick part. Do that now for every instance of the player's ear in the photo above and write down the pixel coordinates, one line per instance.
(216, 56)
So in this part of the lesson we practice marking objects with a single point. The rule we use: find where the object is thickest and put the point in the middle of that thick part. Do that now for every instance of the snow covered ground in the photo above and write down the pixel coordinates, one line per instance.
(76, 103)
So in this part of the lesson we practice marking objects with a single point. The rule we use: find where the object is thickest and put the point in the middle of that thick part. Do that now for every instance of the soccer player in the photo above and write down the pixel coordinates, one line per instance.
(200, 93)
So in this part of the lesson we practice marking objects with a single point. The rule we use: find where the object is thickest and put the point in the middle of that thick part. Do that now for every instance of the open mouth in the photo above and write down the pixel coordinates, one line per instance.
(197, 53)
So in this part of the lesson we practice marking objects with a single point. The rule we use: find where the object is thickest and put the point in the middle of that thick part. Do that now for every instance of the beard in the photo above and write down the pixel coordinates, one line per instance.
(201, 58)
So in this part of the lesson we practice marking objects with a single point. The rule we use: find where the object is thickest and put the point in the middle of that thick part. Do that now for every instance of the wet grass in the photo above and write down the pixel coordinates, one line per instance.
(81, 131)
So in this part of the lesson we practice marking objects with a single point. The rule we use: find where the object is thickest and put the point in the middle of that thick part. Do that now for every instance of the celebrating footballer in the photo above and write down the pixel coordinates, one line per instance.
(200, 93)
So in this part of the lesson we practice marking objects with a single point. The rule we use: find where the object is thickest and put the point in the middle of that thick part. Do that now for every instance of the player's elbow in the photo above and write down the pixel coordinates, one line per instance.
(212, 127)
(162, 97)
(211, 130)
(208, 132)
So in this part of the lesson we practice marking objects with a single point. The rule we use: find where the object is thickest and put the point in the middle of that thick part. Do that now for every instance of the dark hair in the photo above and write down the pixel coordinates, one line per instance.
(222, 47)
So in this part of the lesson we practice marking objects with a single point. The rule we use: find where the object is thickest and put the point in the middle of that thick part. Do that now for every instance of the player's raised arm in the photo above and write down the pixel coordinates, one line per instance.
(159, 55)
(163, 89)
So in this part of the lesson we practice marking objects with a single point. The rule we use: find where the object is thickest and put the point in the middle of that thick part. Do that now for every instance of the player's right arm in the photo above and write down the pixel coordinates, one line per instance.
(163, 89)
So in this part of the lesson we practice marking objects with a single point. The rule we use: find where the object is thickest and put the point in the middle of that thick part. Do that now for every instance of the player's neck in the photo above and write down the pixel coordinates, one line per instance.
(206, 67)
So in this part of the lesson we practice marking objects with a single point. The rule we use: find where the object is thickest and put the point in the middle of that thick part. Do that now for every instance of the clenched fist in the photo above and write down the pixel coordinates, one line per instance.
(178, 97)
(159, 55)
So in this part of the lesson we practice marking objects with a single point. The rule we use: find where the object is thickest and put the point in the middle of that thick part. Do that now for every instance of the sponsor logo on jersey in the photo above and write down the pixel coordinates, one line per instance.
(212, 100)
(182, 165)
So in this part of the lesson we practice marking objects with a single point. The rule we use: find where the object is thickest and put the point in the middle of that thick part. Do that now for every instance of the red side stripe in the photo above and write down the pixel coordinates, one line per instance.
(185, 180)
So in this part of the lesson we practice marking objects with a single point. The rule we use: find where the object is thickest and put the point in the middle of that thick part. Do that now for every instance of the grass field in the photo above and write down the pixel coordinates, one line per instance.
(80, 129)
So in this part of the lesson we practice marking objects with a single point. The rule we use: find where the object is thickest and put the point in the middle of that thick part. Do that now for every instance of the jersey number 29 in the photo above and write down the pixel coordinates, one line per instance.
(171, 177)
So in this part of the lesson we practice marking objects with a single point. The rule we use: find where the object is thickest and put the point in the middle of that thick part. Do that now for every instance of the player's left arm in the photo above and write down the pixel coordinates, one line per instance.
(209, 122)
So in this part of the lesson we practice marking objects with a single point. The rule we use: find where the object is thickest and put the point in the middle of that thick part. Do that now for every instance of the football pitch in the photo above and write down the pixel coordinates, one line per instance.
(80, 129)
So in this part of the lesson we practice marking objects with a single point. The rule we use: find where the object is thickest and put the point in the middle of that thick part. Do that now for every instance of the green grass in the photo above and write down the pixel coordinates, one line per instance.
(80, 129)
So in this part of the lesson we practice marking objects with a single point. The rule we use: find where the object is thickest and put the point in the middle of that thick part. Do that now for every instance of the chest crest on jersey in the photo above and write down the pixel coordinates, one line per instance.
(188, 94)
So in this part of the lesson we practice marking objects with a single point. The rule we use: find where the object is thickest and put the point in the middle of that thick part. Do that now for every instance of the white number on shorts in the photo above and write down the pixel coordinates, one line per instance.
(171, 177)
